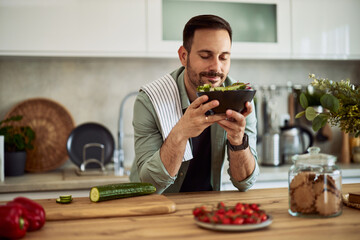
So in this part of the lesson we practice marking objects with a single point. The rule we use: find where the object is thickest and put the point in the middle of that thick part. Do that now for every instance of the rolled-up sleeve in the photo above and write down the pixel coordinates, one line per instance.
(147, 166)
(251, 131)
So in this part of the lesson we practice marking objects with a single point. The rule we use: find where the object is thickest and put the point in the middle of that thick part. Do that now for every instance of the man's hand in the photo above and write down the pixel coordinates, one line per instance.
(235, 123)
(242, 163)
(194, 121)
(191, 124)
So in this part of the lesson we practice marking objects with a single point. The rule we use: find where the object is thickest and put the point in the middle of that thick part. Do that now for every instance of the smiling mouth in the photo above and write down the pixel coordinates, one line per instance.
(211, 74)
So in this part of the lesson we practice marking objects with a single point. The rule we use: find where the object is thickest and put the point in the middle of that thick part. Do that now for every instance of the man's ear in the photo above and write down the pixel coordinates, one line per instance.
(183, 55)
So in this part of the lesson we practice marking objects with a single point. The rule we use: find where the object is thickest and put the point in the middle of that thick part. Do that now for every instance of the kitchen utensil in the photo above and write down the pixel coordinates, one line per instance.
(52, 124)
(345, 148)
(83, 208)
(234, 99)
(96, 135)
(265, 111)
(292, 141)
(291, 104)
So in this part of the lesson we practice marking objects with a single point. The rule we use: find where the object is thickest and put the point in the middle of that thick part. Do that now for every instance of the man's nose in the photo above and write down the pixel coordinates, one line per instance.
(215, 65)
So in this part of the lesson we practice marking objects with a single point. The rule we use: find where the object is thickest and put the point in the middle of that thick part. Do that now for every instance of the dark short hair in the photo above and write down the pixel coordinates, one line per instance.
(203, 22)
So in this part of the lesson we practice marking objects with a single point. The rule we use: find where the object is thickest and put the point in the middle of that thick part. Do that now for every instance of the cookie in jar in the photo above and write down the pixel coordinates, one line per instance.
(315, 185)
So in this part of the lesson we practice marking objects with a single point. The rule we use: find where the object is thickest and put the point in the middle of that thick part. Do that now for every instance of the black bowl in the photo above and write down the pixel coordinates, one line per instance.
(232, 99)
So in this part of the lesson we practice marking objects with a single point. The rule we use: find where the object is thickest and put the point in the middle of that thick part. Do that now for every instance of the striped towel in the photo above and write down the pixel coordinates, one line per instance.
(164, 95)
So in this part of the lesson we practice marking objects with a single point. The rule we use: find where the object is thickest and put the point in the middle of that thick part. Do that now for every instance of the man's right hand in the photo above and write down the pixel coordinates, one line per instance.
(192, 123)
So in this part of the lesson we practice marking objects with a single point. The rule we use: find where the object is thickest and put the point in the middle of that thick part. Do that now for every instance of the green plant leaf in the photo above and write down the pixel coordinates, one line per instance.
(319, 122)
(19, 141)
(330, 102)
(310, 113)
(300, 114)
(303, 101)
(14, 118)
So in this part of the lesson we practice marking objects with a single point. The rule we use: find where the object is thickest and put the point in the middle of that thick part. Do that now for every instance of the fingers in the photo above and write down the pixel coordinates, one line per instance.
(247, 110)
(215, 118)
(235, 123)
(201, 104)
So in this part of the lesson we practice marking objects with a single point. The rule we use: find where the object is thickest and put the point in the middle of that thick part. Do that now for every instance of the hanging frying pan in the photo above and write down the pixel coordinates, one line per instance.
(90, 134)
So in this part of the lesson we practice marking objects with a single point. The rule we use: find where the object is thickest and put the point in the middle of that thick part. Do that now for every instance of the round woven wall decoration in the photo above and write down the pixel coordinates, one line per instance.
(52, 124)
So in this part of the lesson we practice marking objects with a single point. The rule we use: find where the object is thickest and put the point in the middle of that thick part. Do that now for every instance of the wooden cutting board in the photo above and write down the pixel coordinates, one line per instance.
(81, 208)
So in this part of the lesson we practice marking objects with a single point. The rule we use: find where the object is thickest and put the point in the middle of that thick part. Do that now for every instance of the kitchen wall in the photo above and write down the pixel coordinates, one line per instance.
(93, 88)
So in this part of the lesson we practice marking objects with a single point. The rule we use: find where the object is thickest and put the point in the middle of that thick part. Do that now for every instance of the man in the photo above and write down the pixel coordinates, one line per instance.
(178, 147)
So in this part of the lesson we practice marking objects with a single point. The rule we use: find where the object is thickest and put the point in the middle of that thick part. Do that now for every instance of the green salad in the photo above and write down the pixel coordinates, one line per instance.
(236, 86)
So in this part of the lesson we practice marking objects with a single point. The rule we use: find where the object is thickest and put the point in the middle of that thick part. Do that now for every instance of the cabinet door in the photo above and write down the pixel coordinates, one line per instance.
(72, 28)
(261, 28)
(326, 29)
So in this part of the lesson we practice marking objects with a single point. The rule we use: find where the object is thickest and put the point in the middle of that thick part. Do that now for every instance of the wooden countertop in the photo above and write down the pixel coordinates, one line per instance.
(180, 225)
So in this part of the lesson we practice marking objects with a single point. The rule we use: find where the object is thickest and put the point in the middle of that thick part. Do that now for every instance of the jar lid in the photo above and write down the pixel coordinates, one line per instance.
(314, 157)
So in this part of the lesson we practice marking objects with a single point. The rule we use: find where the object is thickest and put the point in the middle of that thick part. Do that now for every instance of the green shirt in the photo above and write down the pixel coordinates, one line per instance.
(147, 165)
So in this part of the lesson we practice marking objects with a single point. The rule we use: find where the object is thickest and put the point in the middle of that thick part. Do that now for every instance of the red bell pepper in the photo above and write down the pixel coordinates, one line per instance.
(33, 212)
(13, 223)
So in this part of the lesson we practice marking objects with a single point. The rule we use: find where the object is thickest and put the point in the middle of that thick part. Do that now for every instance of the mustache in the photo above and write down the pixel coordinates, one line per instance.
(211, 74)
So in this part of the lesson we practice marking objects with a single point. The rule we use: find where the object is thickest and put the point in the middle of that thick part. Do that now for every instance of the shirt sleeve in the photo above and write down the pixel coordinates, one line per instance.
(148, 141)
(251, 131)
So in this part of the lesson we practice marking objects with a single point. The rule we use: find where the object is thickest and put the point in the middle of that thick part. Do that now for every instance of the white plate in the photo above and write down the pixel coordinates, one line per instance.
(234, 227)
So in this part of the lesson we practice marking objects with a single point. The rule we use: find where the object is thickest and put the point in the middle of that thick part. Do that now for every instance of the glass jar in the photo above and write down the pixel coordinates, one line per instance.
(314, 185)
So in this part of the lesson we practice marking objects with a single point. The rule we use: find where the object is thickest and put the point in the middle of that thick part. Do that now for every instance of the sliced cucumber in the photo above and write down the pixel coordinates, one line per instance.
(64, 199)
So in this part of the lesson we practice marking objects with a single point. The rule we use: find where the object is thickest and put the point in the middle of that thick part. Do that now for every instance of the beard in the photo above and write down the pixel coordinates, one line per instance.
(197, 79)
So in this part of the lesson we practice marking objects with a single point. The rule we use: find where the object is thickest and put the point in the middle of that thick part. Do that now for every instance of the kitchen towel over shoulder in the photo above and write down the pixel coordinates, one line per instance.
(164, 95)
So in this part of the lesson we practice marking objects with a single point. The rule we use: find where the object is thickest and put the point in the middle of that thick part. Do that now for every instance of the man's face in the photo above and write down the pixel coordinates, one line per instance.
(209, 58)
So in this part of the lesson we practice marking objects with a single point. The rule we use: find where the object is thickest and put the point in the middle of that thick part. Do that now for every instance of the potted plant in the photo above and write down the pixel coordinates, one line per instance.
(341, 101)
(17, 139)
(341, 104)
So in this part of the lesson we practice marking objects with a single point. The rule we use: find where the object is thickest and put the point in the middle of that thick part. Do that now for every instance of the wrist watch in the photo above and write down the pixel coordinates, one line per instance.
(243, 146)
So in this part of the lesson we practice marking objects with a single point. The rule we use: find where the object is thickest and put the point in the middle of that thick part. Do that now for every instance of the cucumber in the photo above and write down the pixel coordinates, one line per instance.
(64, 199)
(121, 190)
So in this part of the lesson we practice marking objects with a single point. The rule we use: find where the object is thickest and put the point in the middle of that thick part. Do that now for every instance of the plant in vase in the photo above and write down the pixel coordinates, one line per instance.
(341, 101)
(17, 139)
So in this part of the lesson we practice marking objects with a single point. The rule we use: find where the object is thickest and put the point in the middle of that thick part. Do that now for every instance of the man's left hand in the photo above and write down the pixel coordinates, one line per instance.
(235, 124)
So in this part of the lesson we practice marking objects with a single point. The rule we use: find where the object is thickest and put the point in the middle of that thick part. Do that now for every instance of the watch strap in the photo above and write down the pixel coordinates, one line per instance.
(244, 145)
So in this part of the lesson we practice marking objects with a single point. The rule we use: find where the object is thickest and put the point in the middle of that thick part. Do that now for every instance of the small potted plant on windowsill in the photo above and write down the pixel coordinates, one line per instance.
(17, 139)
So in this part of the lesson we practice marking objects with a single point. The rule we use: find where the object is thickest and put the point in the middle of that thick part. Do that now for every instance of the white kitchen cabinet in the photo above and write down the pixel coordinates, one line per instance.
(325, 29)
(260, 17)
(72, 28)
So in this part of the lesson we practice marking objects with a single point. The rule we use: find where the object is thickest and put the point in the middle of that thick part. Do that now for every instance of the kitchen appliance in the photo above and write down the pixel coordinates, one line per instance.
(271, 149)
(292, 141)
(271, 136)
